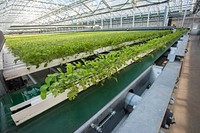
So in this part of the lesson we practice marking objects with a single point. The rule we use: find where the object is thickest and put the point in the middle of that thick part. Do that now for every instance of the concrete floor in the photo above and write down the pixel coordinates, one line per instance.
(187, 96)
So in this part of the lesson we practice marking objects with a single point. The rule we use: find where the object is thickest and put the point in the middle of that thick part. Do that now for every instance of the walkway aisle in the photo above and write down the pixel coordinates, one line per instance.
(187, 96)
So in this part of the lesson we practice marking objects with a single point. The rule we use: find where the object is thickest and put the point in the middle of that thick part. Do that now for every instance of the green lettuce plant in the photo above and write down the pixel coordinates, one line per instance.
(37, 49)
(81, 75)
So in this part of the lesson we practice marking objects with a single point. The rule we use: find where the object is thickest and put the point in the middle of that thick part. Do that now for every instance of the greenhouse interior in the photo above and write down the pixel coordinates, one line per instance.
(99, 66)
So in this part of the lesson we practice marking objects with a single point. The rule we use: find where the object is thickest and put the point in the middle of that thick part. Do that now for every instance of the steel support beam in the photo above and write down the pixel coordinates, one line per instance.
(106, 4)
(102, 21)
(184, 15)
(87, 7)
(148, 17)
(110, 20)
(183, 19)
(32, 79)
(121, 21)
(165, 16)
(133, 24)
(148, 20)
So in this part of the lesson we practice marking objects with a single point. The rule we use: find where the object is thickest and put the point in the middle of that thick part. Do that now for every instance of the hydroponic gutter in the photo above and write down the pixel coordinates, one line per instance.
(37, 105)
(12, 70)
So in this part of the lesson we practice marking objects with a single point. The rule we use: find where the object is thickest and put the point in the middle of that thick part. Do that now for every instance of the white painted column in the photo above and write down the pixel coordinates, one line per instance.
(87, 21)
(110, 20)
(121, 23)
(165, 16)
(133, 24)
(101, 21)
(184, 15)
(148, 17)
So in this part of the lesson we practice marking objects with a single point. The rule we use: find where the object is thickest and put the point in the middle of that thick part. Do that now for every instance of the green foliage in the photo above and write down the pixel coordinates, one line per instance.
(43, 95)
(43, 91)
(73, 93)
(91, 72)
(37, 49)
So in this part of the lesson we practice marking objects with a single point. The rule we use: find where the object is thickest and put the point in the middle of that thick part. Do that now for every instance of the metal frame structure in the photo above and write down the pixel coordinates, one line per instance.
(79, 12)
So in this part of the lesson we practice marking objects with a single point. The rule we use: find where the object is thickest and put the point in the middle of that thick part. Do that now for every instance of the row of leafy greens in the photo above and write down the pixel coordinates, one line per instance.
(88, 72)
(37, 49)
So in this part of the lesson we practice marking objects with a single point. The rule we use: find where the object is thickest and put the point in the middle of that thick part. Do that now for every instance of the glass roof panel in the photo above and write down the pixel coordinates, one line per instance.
(34, 12)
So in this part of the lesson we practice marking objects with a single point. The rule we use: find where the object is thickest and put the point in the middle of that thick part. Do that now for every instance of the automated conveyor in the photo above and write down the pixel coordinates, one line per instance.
(100, 108)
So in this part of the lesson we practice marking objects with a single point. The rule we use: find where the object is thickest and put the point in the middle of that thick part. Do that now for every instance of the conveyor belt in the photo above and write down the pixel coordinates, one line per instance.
(69, 115)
